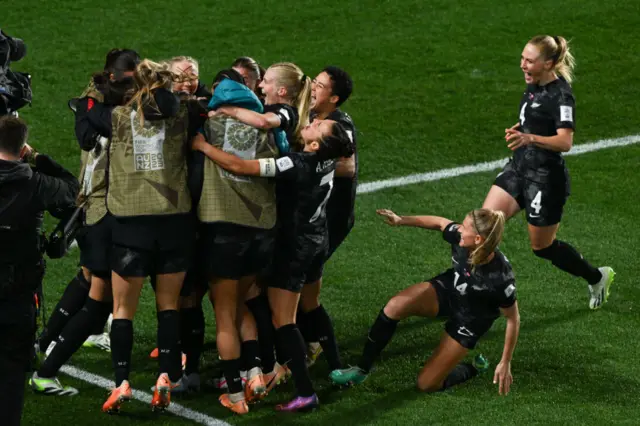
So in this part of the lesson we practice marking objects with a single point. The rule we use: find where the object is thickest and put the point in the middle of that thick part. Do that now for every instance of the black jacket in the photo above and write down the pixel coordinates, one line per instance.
(25, 193)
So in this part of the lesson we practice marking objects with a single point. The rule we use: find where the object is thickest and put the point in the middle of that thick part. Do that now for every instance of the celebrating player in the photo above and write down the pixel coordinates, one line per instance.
(536, 178)
(471, 295)
(301, 243)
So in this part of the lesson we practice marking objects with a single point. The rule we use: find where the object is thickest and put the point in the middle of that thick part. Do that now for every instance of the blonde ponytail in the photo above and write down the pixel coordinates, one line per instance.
(303, 104)
(298, 88)
(556, 49)
(489, 224)
(147, 77)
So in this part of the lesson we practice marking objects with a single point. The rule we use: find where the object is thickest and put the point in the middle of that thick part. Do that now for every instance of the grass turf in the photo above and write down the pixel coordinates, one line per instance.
(435, 85)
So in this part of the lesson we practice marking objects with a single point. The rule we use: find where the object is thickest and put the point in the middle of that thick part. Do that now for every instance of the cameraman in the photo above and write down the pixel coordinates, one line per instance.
(25, 193)
(15, 87)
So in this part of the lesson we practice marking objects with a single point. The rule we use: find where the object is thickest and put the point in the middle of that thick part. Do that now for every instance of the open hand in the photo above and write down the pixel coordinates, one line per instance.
(390, 217)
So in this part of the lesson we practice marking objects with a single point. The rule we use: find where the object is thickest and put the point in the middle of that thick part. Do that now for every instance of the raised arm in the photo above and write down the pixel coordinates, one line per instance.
(428, 222)
(503, 376)
(265, 121)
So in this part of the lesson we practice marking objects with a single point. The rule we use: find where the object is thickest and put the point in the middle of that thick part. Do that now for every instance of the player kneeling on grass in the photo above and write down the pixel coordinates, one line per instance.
(471, 295)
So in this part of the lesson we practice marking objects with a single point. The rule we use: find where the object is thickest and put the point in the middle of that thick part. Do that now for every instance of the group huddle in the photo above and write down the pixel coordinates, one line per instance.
(243, 190)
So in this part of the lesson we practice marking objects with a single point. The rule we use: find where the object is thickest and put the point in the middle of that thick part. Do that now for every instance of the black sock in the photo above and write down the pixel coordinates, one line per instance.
(293, 345)
(306, 326)
(565, 257)
(121, 346)
(259, 307)
(71, 338)
(98, 325)
(323, 328)
(281, 351)
(192, 337)
(231, 370)
(169, 354)
(380, 335)
(72, 300)
(251, 355)
(460, 374)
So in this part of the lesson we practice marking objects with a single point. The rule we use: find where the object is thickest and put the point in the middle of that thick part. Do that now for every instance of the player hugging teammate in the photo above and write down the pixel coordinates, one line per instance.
(250, 187)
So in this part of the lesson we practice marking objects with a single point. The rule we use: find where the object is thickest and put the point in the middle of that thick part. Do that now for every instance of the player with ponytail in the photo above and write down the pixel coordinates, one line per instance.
(471, 295)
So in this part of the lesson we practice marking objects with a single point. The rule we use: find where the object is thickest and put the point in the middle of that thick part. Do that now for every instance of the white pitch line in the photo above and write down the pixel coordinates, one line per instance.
(378, 185)
(364, 188)
(174, 408)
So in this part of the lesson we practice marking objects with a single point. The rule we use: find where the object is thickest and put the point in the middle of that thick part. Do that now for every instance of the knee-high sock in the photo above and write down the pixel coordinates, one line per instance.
(380, 335)
(293, 345)
(121, 346)
(323, 328)
(73, 335)
(169, 353)
(563, 256)
(192, 337)
(72, 300)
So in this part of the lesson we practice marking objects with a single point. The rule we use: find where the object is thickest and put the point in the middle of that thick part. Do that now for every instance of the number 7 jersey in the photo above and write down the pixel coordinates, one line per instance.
(477, 294)
(303, 187)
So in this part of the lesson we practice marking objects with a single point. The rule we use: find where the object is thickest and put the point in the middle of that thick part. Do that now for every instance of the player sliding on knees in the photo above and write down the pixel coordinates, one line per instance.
(471, 294)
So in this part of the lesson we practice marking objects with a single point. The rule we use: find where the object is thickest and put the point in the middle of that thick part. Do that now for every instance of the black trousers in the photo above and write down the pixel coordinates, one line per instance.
(17, 336)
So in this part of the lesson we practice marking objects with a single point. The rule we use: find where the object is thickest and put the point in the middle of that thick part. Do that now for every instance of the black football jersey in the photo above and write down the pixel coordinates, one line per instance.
(543, 110)
(289, 119)
(304, 186)
(345, 187)
(479, 293)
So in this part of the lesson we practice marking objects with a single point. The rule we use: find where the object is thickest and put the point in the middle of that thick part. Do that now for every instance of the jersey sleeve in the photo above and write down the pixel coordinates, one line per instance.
(287, 115)
(508, 296)
(289, 167)
(564, 112)
(451, 234)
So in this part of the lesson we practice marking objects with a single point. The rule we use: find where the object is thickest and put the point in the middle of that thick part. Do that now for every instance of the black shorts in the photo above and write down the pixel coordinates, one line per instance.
(95, 247)
(233, 251)
(195, 278)
(542, 193)
(152, 246)
(298, 264)
(466, 331)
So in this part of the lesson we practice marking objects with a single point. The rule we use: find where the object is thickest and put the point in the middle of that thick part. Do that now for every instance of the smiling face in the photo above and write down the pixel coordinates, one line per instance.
(534, 66)
(321, 93)
(270, 88)
(316, 132)
(469, 237)
(188, 77)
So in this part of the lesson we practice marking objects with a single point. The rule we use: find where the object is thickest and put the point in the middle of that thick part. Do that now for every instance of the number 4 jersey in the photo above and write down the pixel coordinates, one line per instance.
(476, 295)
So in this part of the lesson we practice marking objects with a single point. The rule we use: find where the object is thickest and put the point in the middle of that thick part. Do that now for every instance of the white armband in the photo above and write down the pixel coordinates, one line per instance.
(267, 167)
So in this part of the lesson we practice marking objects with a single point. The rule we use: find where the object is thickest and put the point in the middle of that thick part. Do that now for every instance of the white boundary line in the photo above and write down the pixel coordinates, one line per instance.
(174, 408)
(378, 185)
(364, 188)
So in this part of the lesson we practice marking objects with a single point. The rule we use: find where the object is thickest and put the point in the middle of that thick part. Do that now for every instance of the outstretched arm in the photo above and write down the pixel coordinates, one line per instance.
(428, 222)
(503, 375)
(227, 161)
(265, 121)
